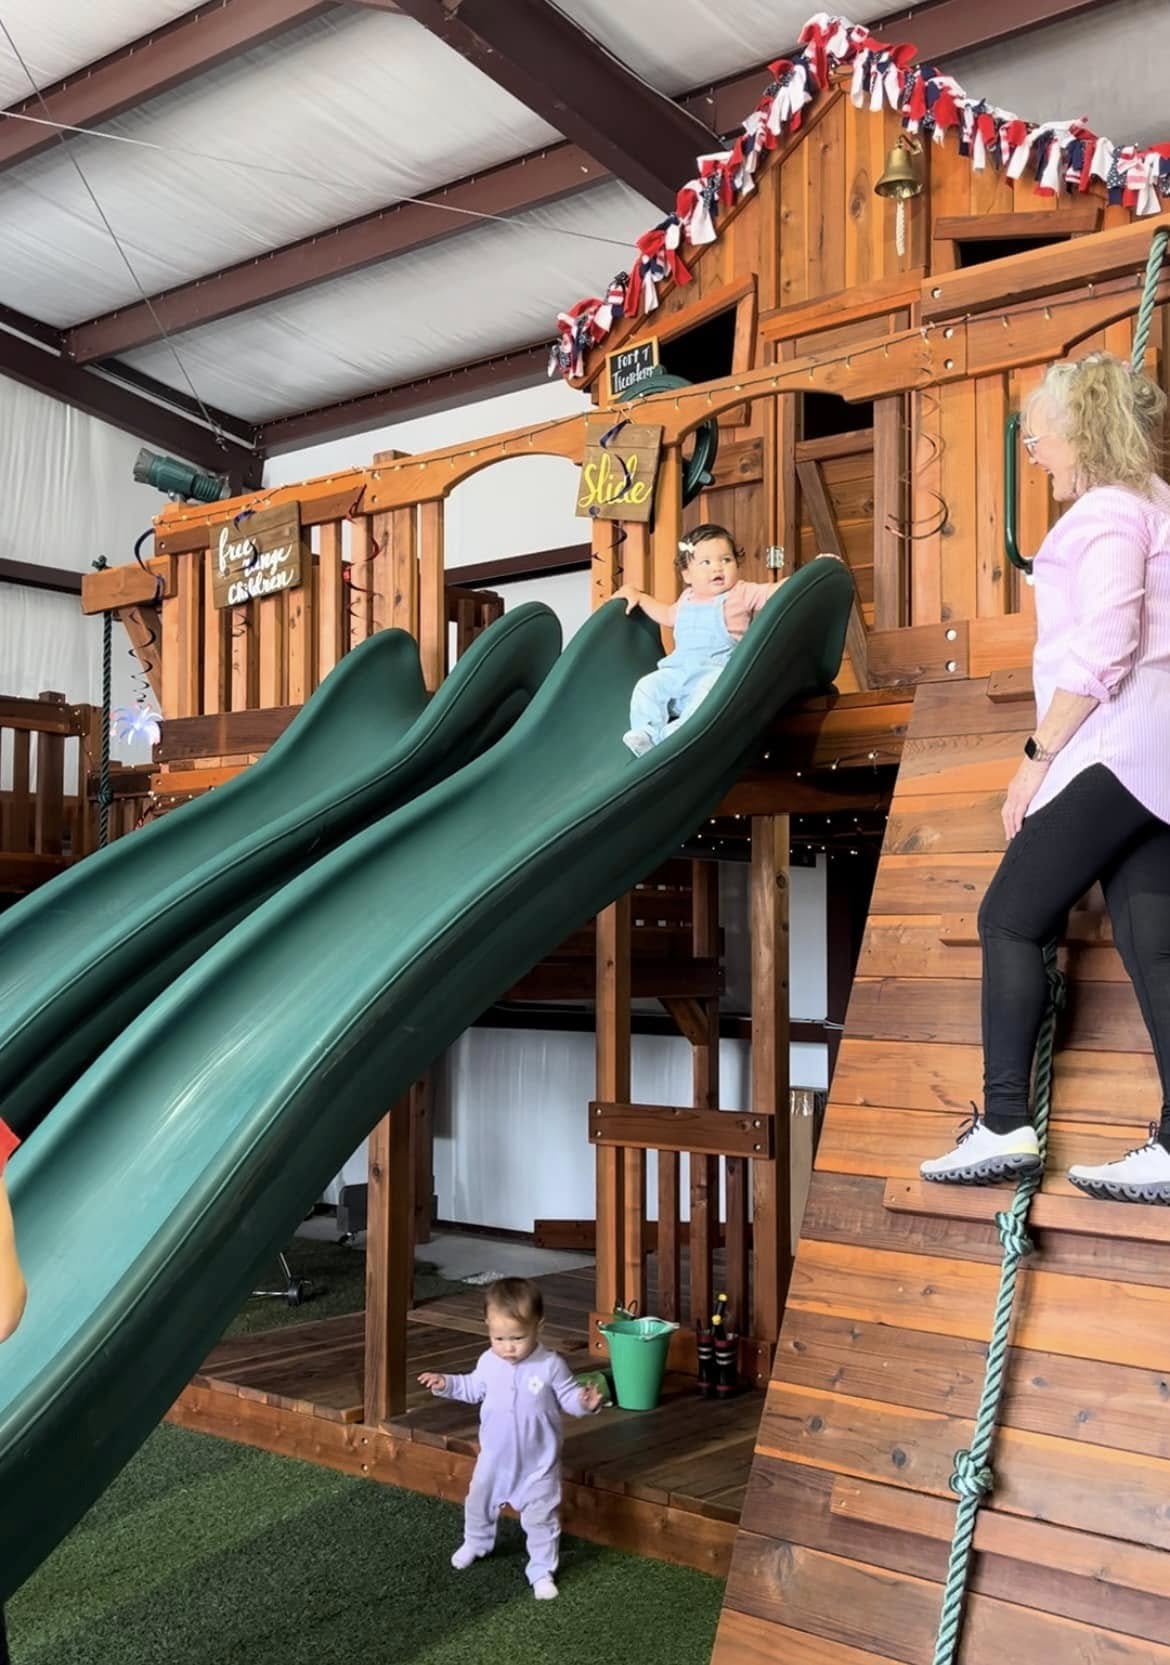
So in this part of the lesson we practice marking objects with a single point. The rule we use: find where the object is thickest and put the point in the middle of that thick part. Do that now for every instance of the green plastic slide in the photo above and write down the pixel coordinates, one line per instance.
(81, 957)
(183, 1158)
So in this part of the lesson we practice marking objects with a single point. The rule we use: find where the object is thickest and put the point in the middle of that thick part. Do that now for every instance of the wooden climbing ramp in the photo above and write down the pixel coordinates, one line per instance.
(845, 1529)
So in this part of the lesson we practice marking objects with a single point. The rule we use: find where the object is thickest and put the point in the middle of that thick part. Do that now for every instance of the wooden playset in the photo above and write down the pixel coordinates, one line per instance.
(862, 397)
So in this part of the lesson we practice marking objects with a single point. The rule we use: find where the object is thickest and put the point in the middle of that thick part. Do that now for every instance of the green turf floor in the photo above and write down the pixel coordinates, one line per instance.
(337, 1275)
(208, 1553)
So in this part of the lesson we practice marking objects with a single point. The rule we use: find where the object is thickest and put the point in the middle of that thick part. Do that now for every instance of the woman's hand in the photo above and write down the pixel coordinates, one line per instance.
(436, 1383)
(590, 1398)
(630, 595)
(1026, 782)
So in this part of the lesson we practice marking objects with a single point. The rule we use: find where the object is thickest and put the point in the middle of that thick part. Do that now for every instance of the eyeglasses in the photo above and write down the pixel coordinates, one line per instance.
(1030, 442)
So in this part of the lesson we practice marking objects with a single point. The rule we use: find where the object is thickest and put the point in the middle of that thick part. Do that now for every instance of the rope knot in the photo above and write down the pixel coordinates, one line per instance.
(968, 1479)
(1012, 1235)
(1057, 988)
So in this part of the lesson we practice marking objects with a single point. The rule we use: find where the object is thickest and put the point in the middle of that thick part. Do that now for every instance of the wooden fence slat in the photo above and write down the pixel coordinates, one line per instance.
(271, 616)
(404, 598)
(704, 1169)
(333, 600)
(302, 657)
(432, 629)
(216, 643)
(22, 815)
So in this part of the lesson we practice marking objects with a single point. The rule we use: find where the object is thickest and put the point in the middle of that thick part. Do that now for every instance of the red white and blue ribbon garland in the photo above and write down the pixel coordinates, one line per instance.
(1064, 156)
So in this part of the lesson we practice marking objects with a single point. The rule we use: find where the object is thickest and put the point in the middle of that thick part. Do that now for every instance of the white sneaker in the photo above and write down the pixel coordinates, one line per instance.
(545, 1589)
(1141, 1176)
(638, 741)
(981, 1157)
(465, 1557)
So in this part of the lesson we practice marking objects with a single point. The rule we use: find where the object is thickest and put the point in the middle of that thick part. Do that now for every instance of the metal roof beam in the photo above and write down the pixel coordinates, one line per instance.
(505, 373)
(530, 182)
(37, 363)
(153, 64)
(570, 80)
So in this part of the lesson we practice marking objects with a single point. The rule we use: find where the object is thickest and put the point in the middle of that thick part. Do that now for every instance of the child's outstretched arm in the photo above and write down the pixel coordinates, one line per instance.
(468, 1390)
(659, 611)
(574, 1399)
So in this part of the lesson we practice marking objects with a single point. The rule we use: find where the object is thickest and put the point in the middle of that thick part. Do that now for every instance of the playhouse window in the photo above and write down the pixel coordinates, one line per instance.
(823, 414)
(977, 251)
(704, 353)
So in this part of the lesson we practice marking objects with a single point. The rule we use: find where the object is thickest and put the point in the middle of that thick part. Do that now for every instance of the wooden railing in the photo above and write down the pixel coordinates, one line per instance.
(46, 818)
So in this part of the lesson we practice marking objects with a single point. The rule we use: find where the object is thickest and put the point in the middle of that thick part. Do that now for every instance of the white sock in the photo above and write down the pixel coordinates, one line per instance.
(464, 1557)
(545, 1588)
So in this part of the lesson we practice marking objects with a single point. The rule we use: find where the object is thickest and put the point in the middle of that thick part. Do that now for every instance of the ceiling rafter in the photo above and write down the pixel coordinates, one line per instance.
(32, 353)
(532, 181)
(504, 373)
(546, 60)
(150, 65)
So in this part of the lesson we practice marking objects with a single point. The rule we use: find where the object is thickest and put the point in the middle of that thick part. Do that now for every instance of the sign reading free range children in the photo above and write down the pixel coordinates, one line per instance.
(258, 555)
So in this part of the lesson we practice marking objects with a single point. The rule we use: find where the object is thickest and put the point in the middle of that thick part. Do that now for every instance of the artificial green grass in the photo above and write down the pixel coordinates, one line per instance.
(337, 1272)
(208, 1553)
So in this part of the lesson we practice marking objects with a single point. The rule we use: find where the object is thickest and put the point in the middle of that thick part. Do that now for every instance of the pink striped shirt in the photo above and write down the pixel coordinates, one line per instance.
(741, 603)
(1102, 582)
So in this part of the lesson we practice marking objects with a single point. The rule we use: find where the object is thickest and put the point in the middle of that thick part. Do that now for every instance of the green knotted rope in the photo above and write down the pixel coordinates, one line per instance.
(1145, 317)
(973, 1477)
(105, 788)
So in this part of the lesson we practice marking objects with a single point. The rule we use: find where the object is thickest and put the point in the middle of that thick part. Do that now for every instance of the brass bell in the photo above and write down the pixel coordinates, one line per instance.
(903, 176)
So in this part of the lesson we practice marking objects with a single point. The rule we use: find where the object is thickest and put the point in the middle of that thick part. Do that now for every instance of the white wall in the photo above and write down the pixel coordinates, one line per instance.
(68, 497)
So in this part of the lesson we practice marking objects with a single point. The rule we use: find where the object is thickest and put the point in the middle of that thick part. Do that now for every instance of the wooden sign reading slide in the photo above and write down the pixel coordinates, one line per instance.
(257, 556)
(631, 365)
(617, 479)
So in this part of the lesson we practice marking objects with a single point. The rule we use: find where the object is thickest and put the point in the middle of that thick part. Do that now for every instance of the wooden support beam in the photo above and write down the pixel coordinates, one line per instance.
(1078, 1215)
(389, 1264)
(32, 576)
(1071, 219)
(613, 1085)
(770, 1086)
(705, 1094)
(825, 530)
(542, 57)
(668, 1127)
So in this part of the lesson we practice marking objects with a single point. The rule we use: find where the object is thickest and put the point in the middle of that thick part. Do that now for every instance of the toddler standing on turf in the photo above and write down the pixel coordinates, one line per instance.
(523, 1387)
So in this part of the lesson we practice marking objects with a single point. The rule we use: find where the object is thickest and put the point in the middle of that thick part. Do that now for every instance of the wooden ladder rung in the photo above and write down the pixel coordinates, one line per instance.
(1080, 1216)
(961, 930)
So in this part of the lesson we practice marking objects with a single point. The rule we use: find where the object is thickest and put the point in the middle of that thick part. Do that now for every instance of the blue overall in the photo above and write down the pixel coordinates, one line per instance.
(702, 646)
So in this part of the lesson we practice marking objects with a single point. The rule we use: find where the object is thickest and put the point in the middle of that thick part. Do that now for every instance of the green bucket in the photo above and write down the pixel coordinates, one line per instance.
(637, 1353)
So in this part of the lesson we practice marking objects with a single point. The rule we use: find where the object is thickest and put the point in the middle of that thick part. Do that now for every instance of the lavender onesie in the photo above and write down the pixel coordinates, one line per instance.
(519, 1449)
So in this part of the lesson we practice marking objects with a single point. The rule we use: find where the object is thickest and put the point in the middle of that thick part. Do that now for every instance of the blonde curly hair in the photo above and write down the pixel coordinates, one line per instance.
(1110, 414)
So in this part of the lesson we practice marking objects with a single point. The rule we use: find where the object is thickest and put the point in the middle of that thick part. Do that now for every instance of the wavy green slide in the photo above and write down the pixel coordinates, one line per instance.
(83, 955)
(186, 1153)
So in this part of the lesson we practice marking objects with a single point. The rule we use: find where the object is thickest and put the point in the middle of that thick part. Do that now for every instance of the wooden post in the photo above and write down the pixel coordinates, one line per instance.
(422, 1136)
(50, 798)
(432, 637)
(389, 1264)
(705, 1094)
(613, 1086)
(772, 1224)
(664, 579)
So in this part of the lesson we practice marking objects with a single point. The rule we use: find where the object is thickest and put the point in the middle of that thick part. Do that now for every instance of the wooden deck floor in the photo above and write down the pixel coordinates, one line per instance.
(668, 1483)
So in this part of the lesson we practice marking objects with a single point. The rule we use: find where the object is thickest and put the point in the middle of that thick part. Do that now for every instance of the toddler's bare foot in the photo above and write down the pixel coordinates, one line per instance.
(463, 1557)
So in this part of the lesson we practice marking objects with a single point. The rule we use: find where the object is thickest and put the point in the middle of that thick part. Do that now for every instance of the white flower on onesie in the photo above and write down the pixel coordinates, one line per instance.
(535, 1384)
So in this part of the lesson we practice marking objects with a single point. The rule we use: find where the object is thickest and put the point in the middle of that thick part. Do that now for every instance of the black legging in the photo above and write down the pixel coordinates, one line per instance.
(1094, 829)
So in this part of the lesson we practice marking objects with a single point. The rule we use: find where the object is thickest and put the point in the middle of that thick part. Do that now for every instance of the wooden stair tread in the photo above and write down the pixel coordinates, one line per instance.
(1050, 1211)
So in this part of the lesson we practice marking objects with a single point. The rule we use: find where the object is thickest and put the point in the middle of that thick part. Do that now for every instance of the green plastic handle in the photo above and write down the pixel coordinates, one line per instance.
(1011, 462)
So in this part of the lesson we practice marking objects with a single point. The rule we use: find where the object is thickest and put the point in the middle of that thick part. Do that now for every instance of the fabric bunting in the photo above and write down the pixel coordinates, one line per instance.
(1062, 156)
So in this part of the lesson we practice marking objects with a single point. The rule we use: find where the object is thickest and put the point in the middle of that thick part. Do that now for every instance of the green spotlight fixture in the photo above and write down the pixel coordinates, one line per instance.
(177, 479)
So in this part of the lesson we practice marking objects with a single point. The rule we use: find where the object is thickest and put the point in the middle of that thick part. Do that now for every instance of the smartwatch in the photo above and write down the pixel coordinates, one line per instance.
(1035, 752)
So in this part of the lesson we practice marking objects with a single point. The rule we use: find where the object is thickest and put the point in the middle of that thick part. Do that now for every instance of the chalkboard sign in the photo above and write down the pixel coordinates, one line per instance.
(256, 555)
(631, 365)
